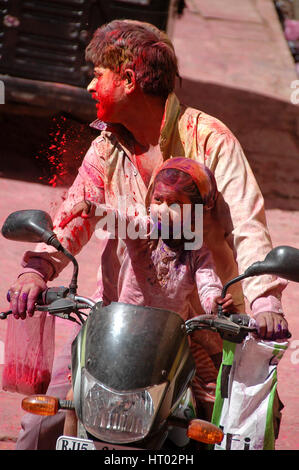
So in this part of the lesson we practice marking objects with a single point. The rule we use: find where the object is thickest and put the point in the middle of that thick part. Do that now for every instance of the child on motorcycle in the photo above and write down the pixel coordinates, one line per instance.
(159, 271)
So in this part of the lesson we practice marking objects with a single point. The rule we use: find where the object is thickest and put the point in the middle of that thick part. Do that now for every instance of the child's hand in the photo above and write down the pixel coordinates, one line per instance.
(84, 209)
(227, 303)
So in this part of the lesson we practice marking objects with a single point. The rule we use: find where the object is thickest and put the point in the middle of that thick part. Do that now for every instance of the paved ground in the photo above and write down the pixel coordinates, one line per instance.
(236, 66)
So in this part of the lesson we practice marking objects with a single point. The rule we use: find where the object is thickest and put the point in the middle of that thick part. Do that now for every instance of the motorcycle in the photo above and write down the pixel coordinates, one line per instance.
(131, 366)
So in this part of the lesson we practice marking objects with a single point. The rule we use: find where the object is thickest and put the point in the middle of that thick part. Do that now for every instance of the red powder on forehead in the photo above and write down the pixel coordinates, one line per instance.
(62, 155)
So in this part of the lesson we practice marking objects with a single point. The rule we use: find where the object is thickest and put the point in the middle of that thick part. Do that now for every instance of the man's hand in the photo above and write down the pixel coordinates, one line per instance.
(24, 293)
(271, 326)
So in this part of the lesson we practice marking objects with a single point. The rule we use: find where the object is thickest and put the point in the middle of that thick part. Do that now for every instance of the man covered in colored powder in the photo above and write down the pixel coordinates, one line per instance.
(142, 124)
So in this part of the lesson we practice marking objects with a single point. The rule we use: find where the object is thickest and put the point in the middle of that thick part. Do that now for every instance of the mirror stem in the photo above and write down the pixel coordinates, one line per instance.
(233, 281)
(226, 286)
(51, 239)
(74, 284)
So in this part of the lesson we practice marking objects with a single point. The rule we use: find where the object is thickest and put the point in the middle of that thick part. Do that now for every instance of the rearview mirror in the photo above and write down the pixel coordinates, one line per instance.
(282, 261)
(30, 226)
(36, 226)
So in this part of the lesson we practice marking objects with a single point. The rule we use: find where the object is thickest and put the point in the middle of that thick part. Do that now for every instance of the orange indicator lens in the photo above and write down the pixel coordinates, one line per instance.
(40, 405)
(203, 431)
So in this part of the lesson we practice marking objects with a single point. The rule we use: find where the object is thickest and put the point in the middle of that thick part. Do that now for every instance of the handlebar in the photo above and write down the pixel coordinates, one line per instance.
(59, 302)
(233, 328)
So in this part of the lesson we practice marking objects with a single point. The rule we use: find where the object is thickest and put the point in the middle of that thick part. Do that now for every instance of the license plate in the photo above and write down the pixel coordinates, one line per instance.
(75, 443)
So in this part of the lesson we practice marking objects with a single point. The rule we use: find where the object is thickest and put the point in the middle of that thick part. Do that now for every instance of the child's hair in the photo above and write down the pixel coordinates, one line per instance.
(180, 181)
(190, 177)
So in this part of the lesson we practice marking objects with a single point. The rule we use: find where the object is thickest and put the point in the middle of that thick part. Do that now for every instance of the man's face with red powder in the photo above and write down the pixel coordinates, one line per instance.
(107, 89)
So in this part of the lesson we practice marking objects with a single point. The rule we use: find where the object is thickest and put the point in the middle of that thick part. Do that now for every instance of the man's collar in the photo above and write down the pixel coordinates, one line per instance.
(118, 129)
(171, 113)
(98, 125)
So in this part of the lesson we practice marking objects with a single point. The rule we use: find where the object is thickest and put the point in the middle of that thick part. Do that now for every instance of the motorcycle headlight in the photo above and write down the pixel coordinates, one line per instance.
(118, 417)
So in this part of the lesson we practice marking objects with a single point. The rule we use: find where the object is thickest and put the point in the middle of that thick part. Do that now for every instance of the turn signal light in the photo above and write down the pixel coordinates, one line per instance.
(205, 432)
(41, 405)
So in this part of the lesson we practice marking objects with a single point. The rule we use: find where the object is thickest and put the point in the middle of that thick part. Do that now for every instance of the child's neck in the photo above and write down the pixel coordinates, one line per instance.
(176, 245)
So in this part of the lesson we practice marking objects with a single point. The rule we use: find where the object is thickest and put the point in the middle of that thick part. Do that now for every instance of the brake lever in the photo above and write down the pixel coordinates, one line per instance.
(63, 308)
(228, 329)
(65, 305)
(233, 331)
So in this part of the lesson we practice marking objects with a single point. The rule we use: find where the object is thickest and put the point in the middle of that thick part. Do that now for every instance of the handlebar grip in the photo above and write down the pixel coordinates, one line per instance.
(51, 294)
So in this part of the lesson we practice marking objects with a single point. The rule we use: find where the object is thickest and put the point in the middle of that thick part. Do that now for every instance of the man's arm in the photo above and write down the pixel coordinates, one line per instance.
(45, 263)
(74, 235)
(240, 210)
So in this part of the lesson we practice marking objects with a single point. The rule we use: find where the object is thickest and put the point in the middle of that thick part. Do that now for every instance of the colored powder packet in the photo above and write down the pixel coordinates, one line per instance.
(29, 354)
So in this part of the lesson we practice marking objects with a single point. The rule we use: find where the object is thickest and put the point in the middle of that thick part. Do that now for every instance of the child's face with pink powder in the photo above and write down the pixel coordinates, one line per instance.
(169, 205)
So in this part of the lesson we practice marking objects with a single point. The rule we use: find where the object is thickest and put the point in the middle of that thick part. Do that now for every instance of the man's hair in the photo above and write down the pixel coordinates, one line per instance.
(140, 46)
